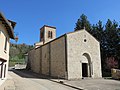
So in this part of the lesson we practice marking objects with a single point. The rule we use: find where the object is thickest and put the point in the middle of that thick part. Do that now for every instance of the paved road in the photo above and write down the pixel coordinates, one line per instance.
(96, 84)
(25, 81)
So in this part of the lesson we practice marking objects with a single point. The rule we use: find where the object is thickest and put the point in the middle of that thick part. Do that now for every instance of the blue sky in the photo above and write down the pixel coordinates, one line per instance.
(31, 15)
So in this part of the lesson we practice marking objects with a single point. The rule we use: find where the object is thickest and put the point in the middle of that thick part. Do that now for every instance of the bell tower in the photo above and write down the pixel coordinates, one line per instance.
(47, 33)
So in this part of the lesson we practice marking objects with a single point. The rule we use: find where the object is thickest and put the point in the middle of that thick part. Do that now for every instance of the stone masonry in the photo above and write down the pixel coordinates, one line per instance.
(71, 56)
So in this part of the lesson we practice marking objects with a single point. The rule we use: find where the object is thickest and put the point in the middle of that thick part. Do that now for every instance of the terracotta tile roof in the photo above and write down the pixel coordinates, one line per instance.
(48, 26)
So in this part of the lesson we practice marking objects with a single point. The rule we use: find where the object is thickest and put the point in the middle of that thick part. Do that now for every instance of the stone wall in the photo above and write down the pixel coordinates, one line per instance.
(63, 57)
(115, 73)
(78, 44)
(49, 59)
(47, 29)
(31, 59)
(45, 59)
(37, 60)
(58, 57)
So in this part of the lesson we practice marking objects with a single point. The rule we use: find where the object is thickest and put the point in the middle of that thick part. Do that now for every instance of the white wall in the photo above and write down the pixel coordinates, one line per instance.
(3, 35)
(4, 53)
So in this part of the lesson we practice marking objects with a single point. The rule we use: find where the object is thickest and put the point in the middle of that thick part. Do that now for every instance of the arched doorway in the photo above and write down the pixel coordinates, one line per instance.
(86, 65)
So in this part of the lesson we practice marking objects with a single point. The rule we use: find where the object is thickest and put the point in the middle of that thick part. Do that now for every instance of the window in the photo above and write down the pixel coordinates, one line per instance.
(49, 34)
(85, 40)
(41, 35)
(5, 48)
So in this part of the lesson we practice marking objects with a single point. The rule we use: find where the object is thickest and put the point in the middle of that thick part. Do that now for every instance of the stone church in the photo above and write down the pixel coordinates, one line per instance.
(74, 55)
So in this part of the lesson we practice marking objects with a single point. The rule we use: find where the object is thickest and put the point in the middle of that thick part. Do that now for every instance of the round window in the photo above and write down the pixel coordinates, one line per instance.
(85, 40)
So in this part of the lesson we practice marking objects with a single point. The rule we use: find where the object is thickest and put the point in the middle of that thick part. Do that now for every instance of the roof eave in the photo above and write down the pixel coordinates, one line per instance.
(8, 27)
(3, 60)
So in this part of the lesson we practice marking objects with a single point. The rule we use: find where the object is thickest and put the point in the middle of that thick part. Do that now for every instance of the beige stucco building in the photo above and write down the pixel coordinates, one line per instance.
(71, 56)
(6, 32)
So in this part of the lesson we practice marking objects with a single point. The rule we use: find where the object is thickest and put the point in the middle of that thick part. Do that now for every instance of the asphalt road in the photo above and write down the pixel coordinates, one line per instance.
(27, 81)
(96, 84)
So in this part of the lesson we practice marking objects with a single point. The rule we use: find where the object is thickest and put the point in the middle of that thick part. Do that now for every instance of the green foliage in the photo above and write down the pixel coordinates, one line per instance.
(83, 23)
(11, 63)
(108, 35)
(17, 52)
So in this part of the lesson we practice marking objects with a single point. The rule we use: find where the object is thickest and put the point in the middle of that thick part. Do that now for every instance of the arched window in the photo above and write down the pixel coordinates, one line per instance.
(49, 34)
(41, 35)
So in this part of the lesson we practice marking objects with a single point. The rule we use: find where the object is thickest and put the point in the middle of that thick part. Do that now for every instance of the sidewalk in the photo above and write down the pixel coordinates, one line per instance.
(7, 84)
(2, 81)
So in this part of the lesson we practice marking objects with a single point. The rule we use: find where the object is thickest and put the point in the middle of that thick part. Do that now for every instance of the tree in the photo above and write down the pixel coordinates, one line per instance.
(98, 31)
(112, 38)
(18, 50)
(82, 23)
(111, 62)
(109, 38)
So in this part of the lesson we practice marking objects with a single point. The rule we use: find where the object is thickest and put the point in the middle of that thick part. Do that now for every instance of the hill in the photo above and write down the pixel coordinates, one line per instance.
(18, 51)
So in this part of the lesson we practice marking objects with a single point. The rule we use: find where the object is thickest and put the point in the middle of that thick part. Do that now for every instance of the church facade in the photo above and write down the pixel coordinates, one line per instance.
(73, 55)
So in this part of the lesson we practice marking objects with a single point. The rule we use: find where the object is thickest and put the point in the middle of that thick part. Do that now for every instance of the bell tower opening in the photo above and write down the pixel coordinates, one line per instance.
(41, 35)
(47, 33)
(50, 34)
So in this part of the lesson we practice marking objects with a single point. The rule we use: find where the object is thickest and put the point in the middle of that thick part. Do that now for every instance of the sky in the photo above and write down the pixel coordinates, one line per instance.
(31, 15)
